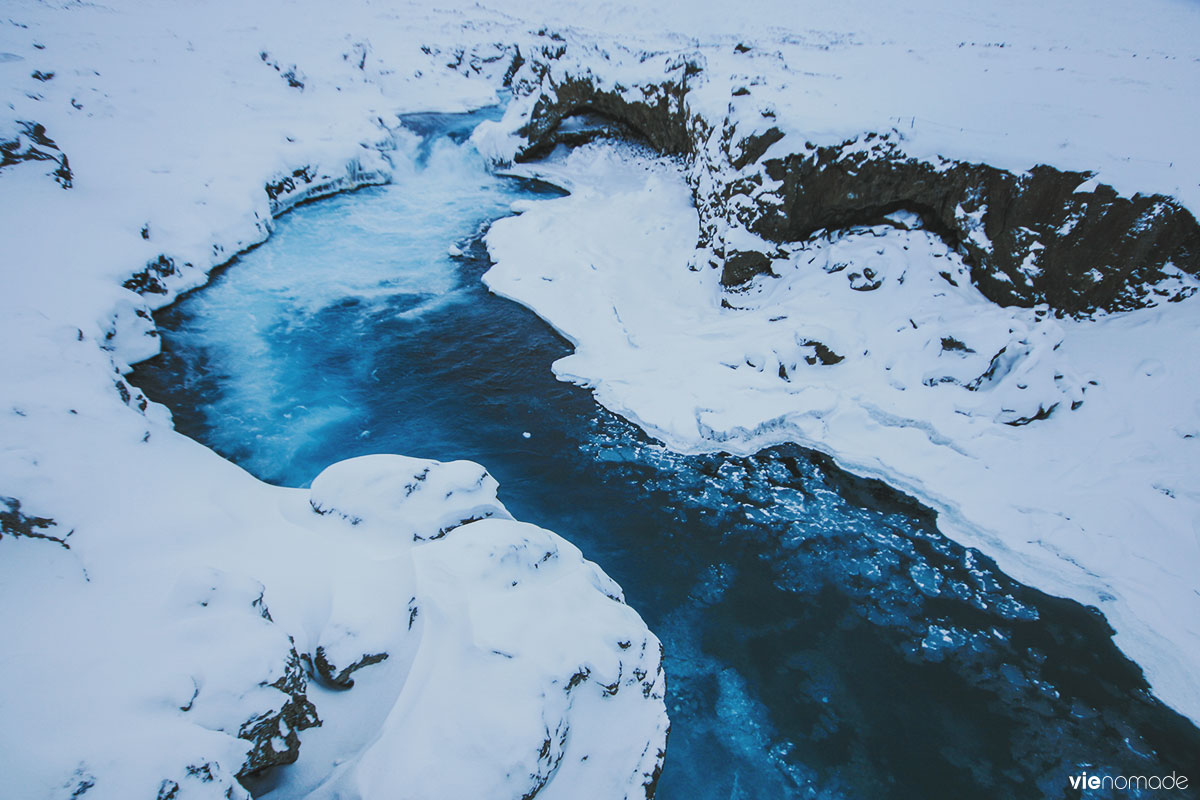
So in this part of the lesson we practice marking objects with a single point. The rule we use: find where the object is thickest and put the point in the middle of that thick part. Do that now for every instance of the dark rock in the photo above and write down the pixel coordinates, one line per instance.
(753, 146)
(288, 183)
(865, 281)
(63, 175)
(291, 74)
(149, 280)
(514, 65)
(651, 784)
(201, 772)
(1028, 239)
(951, 345)
(741, 266)
(296, 714)
(549, 757)
(32, 144)
(211, 775)
(996, 220)
(582, 128)
(1042, 413)
(81, 782)
(15, 523)
(270, 721)
(659, 117)
(292, 79)
(821, 354)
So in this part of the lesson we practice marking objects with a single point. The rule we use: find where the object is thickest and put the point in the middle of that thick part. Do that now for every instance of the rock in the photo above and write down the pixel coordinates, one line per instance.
(741, 266)
(340, 678)
(656, 112)
(286, 184)
(150, 279)
(200, 781)
(1029, 238)
(1046, 236)
(754, 145)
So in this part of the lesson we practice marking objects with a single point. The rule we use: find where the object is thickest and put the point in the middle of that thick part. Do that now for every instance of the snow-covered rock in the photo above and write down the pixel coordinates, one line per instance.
(505, 619)
(888, 244)
(425, 499)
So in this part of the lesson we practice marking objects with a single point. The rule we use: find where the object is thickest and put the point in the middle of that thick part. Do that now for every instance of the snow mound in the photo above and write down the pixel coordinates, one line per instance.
(424, 498)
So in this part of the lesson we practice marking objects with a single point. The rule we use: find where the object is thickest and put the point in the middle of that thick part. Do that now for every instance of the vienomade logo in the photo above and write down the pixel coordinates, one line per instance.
(1085, 781)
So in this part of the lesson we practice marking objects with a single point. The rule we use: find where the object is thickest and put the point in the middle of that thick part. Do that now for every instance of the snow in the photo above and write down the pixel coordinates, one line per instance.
(175, 116)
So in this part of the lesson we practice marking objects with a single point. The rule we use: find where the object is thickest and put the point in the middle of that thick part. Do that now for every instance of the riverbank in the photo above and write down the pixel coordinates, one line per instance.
(148, 144)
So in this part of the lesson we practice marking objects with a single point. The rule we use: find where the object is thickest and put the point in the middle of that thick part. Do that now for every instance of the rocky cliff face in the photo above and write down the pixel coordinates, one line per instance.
(1045, 236)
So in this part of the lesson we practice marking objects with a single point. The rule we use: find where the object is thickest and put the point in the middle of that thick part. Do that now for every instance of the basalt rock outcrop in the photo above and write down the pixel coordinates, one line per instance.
(1037, 237)
(1043, 236)
(653, 112)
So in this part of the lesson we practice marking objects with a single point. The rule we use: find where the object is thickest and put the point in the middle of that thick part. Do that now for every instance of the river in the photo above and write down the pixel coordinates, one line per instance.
(822, 638)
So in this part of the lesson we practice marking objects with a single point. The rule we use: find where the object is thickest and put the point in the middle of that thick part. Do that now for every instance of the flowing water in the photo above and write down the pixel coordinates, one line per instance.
(822, 638)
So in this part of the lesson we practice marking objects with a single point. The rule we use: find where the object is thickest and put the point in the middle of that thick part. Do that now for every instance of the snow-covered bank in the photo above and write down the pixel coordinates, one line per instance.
(174, 624)
(1068, 457)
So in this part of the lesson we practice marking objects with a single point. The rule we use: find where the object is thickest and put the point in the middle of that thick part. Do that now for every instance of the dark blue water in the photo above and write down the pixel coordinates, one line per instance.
(822, 639)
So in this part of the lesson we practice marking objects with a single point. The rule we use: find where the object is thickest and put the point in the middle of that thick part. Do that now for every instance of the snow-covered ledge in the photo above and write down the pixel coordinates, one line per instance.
(176, 627)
